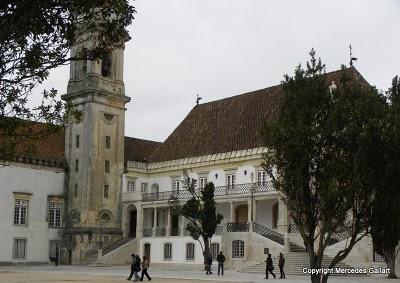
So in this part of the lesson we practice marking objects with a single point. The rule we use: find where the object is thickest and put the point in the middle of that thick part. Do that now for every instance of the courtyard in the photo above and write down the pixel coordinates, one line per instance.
(88, 274)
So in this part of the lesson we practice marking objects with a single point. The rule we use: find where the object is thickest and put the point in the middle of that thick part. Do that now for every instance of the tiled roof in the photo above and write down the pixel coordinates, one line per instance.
(229, 124)
(138, 150)
(47, 144)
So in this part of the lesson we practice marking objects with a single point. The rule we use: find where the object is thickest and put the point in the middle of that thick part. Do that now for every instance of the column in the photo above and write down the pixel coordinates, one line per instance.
(139, 221)
(155, 222)
(183, 226)
(249, 210)
(232, 212)
(254, 211)
(168, 232)
(282, 217)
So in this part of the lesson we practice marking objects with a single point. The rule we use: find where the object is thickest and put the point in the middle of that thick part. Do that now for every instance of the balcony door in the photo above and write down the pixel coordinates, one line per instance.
(242, 213)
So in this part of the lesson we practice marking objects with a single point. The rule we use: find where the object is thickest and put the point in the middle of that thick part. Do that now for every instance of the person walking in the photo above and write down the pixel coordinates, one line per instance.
(137, 268)
(269, 267)
(209, 261)
(132, 267)
(145, 267)
(281, 265)
(221, 260)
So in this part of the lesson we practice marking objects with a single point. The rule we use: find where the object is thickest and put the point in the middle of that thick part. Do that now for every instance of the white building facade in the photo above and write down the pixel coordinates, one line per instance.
(32, 211)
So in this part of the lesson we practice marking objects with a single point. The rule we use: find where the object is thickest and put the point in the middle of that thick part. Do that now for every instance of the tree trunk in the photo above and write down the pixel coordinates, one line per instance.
(391, 263)
(206, 250)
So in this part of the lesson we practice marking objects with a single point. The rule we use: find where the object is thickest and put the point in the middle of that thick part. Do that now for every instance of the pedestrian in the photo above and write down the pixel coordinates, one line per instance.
(269, 267)
(137, 268)
(281, 265)
(132, 267)
(209, 261)
(221, 260)
(145, 267)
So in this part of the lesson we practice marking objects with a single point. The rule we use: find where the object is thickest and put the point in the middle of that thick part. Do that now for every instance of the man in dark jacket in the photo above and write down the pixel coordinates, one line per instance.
(269, 267)
(221, 260)
(132, 267)
(137, 267)
(281, 265)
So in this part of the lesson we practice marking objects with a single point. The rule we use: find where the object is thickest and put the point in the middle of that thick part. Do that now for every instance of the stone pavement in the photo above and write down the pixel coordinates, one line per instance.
(157, 272)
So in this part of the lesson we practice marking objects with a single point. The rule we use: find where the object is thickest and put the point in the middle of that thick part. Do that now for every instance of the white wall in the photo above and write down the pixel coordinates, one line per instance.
(264, 212)
(40, 183)
(178, 249)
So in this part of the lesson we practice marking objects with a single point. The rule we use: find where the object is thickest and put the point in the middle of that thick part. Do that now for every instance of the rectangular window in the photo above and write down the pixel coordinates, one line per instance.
(76, 168)
(107, 166)
(19, 249)
(20, 212)
(105, 191)
(131, 186)
(144, 188)
(76, 191)
(230, 181)
(54, 250)
(108, 142)
(77, 141)
(261, 178)
(55, 215)
(167, 251)
(175, 185)
(238, 249)
(202, 182)
(190, 251)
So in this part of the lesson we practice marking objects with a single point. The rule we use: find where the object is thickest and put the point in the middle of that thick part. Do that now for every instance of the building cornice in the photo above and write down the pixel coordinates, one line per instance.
(198, 161)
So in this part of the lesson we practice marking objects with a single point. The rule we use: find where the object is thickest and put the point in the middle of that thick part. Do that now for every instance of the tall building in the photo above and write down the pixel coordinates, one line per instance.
(94, 150)
(90, 194)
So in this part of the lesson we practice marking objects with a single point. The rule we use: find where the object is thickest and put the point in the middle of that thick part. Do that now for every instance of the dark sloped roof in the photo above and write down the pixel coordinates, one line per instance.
(138, 149)
(229, 124)
(47, 142)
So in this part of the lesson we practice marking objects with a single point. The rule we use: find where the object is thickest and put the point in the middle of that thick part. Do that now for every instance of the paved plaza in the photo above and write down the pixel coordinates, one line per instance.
(87, 274)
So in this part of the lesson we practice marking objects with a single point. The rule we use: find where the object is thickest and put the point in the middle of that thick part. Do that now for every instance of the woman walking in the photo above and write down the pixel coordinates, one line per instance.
(145, 267)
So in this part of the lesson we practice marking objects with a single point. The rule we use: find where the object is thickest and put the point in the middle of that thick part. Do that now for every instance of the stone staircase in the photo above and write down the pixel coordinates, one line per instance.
(115, 245)
(295, 260)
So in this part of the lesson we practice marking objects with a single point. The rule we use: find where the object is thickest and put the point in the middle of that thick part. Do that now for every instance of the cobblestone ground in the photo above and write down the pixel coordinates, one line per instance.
(88, 274)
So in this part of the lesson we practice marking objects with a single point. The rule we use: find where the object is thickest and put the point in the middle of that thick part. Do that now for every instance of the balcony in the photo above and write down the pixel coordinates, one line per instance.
(239, 189)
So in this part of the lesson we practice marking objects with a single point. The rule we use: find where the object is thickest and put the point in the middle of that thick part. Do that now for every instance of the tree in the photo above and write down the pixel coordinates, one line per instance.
(35, 37)
(322, 147)
(385, 218)
(200, 211)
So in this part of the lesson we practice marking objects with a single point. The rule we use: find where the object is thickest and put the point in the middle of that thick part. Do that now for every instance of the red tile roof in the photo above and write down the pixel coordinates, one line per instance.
(229, 124)
(138, 149)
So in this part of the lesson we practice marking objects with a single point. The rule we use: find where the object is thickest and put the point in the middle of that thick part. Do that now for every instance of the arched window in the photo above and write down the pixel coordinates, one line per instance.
(238, 249)
(275, 215)
(105, 217)
(75, 217)
(214, 250)
(106, 65)
(167, 251)
(190, 251)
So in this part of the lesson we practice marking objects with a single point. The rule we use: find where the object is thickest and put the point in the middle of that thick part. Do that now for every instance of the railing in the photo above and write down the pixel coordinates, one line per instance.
(219, 230)
(338, 237)
(161, 232)
(377, 257)
(147, 232)
(218, 191)
(293, 228)
(268, 233)
(238, 227)
(175, 231)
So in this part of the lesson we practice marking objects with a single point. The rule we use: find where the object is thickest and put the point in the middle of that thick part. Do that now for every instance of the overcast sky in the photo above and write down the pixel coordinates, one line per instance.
(221, 48)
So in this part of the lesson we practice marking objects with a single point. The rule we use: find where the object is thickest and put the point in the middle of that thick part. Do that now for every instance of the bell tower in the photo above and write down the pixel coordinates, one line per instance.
(94, 150)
